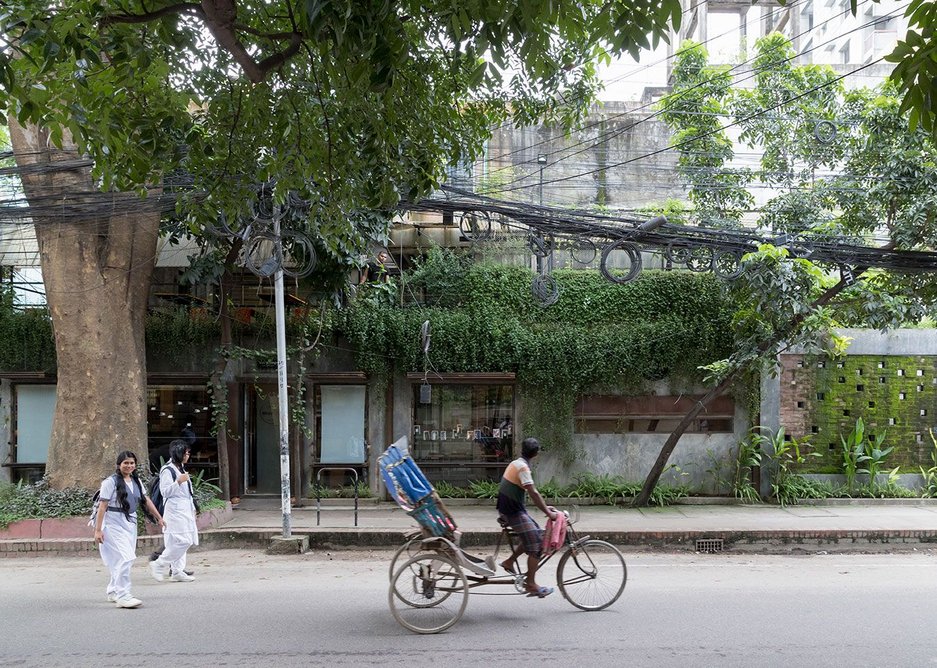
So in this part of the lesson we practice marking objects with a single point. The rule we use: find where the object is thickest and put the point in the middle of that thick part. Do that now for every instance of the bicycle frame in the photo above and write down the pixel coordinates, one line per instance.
(571, 542)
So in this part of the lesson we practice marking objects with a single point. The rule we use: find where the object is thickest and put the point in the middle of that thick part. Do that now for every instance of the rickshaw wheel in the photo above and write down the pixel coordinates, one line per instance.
(428, 593)
(412, 548)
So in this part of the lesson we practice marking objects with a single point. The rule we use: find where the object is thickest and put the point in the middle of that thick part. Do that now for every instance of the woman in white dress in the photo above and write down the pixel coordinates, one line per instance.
(180, 532)
(115, 526)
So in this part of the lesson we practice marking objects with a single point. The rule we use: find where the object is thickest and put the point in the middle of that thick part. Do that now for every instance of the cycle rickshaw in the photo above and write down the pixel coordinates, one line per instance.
(431, 575)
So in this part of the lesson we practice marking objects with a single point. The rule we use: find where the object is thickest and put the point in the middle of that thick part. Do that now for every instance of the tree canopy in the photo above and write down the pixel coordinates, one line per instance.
(352, 104)
(842, 167)
(915, 59)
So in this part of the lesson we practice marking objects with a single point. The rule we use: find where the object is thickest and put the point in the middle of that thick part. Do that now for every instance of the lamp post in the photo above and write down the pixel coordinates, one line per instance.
(542, 161)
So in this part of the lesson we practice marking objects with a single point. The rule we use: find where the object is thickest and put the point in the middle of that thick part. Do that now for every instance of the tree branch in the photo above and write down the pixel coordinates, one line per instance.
(181, 8)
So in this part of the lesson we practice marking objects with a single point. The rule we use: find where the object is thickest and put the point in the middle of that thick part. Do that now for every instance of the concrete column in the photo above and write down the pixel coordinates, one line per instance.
(771, 419)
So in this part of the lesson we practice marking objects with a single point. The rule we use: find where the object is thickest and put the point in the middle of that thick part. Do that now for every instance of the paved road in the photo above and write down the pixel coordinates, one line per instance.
(249, 609)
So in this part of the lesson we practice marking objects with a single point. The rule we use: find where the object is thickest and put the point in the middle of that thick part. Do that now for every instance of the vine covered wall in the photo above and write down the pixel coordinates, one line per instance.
(484, 319)
(26, 340)
(663, 324)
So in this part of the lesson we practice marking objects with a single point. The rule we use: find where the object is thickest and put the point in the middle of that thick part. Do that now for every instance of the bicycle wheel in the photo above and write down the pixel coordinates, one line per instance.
(592, 575)
(411, 548)
(428, 594)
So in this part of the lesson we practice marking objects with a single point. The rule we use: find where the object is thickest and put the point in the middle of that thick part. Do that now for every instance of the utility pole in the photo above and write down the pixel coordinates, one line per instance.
(282, 397)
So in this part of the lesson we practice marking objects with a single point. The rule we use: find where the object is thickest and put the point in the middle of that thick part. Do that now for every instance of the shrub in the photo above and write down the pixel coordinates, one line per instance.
(22, 501)
(449, 491)
(484, 489)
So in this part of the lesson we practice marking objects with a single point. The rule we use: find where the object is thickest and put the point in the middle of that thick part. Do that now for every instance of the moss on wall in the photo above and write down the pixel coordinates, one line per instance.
(896, 395)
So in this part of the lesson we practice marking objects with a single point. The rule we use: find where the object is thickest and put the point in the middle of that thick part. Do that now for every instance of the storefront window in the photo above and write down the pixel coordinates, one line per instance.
(464, 432)
(183, 412)
(340, 450)
(35, 406)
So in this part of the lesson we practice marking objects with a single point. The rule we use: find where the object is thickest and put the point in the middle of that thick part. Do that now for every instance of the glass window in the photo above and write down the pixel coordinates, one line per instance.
(184, 412)
(35, 406)
(463, 433)
(342, 423)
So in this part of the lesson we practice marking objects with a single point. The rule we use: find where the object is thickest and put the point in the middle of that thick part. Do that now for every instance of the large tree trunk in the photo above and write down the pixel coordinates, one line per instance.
(97, 252)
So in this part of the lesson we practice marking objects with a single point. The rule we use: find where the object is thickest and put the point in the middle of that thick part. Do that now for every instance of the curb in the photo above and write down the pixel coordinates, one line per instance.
(337, 539)
(60, 546)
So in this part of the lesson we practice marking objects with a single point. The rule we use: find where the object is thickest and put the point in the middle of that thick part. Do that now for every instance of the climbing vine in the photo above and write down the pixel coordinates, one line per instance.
(26, 340)
(483, 319)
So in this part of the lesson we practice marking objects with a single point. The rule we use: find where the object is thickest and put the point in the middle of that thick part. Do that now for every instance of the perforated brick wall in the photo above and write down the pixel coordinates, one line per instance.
(897, 395)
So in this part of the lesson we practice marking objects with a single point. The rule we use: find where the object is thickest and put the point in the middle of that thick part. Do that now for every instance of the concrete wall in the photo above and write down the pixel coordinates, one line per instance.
(614, 135)
(699, 459)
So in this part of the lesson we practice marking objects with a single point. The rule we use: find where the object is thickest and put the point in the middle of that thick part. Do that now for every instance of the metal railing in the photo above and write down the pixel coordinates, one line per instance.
(354, 474)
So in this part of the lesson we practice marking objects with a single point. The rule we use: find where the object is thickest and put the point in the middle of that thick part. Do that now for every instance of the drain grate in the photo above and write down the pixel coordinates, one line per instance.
(709, 545)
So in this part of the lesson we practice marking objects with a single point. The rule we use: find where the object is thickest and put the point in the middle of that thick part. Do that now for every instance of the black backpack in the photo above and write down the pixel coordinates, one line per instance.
(155, 495)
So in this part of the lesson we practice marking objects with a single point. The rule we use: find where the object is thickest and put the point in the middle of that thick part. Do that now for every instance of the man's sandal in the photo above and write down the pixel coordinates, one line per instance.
(542, 592)
(513, 570)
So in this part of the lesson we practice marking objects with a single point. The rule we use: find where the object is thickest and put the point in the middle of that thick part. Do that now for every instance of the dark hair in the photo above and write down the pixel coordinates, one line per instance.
(177, 450)
(122, 489)
(530, 447)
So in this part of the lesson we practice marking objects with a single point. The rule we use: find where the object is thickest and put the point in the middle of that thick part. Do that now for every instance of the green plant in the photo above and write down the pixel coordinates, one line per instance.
(610, 489)
(786, 452)
(749, 457)
(484, 489)
(794, 487)
(552, 490)
(853, 453)
(322, 491)
(876, 456)
(22, 501)
(891, 489)
(718, 470)
(206, 492)
(665, 495)
(348, 491)
(596, 333)
(929, 488)
(449, 491)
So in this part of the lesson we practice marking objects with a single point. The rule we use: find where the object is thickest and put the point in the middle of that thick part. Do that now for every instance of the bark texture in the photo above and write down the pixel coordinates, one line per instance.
(97, 263)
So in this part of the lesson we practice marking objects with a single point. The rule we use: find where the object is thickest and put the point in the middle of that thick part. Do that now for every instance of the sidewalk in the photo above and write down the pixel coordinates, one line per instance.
(856, 524)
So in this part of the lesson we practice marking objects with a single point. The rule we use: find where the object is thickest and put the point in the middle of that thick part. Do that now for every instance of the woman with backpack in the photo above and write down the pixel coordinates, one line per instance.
(180, 531)
(115, 526)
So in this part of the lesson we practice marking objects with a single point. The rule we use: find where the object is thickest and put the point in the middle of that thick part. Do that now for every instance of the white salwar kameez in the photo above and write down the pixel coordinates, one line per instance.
(119, 548)
(180, 532)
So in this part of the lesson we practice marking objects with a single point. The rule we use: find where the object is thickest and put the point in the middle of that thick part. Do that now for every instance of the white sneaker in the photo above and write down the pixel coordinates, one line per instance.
(112, 598)
(156, 571)
(129, 602)
(182, 577)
